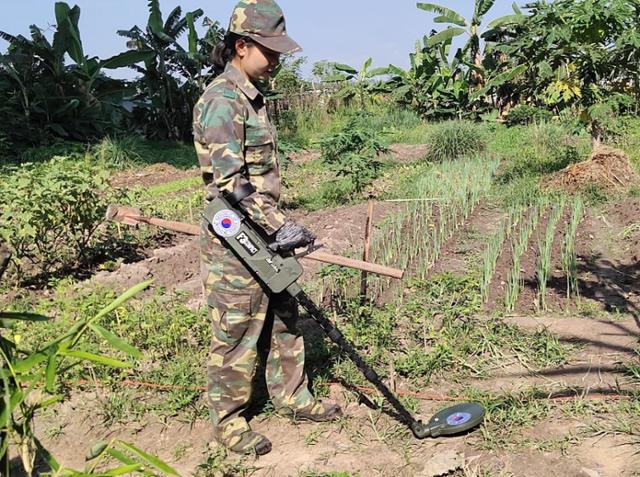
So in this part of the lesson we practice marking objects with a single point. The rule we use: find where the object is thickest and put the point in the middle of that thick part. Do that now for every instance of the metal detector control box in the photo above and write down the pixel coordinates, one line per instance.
(275, 271)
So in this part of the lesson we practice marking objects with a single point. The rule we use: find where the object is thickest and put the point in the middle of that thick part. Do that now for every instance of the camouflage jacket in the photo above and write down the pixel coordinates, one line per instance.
(236, 143)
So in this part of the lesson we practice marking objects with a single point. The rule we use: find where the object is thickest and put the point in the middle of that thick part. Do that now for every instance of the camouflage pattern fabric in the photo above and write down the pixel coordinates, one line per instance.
(236, 144)
(262, 17)
(240, 311)
(263, 21)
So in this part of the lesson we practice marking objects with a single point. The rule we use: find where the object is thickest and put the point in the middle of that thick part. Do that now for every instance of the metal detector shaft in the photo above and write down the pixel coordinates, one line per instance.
(280, 273)
(417, 427)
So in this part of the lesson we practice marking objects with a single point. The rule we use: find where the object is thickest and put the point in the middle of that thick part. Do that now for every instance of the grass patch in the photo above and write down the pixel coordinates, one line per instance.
(172, 338)
(420, 347)
(174, 186)
(453, 139)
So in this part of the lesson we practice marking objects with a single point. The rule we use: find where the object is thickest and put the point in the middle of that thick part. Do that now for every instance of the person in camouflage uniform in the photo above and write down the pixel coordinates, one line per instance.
(237, 151)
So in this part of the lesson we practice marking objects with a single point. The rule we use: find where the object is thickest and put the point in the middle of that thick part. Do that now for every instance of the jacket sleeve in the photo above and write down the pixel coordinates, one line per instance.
(219, 135)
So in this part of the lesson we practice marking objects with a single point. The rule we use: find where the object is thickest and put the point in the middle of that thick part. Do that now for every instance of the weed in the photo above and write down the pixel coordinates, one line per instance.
(181, 449)
(219, 463)
(595, 195)
(632, 370)
(506, 414)
(118, 152)
(313, 473)
(454, 139)
(316, 435)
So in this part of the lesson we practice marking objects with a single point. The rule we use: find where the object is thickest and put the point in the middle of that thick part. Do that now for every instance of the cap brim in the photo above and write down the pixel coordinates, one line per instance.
(281, 44)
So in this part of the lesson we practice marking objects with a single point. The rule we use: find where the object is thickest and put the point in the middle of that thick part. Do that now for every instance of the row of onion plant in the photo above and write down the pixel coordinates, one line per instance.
(545, 247)
(569, 255)
(412, 239)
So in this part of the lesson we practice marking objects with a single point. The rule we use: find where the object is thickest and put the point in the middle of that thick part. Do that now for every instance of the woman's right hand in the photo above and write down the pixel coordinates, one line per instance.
(293, 235)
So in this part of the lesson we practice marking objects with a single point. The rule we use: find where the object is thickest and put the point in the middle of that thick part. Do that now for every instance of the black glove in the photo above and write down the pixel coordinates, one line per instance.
(292, 235)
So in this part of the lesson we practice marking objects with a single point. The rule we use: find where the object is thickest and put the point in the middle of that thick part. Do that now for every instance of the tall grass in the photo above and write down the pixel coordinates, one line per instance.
(454, 139)
(119, 152)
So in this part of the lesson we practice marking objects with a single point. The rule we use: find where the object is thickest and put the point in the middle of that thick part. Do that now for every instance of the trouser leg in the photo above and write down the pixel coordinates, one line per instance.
(285, 375)
(237, 306)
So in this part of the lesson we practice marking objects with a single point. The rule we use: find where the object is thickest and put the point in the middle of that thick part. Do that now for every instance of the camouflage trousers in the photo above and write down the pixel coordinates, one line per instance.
(240, 310)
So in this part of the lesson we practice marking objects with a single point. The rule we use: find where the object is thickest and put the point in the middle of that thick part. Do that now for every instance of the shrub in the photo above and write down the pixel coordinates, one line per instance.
(453, 139)
(49, 212)
(353, 152)
(523, 114)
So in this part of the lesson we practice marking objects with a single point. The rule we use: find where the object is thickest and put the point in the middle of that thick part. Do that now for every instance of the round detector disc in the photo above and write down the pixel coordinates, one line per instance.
(456, 419)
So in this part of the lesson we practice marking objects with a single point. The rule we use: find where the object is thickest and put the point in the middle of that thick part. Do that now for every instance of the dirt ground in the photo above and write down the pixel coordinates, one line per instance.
(373, 444)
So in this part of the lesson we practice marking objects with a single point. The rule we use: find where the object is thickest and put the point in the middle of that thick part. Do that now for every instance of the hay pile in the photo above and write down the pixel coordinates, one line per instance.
(607, 168)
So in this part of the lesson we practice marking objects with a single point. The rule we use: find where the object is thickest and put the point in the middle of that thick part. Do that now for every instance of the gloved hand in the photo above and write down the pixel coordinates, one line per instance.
(292, 235)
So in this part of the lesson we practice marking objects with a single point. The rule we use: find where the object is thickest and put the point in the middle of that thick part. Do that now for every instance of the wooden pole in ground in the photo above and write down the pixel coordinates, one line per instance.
(365, 254)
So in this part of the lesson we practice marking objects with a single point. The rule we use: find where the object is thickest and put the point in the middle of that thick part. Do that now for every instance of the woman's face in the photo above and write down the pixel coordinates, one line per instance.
(256, 61)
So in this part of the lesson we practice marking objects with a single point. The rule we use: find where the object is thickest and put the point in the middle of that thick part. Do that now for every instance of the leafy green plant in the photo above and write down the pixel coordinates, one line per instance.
(49, 213)
(353, 152)
(30, 378)
(454, 139)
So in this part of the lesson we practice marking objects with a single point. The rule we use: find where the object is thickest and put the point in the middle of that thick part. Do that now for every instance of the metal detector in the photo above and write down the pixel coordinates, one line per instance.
(279, 273)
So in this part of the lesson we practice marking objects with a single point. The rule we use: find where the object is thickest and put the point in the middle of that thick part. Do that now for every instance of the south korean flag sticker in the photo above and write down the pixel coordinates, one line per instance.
(226, 223)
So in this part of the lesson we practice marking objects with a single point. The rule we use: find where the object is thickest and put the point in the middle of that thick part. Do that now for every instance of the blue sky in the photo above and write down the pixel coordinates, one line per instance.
(347, 31)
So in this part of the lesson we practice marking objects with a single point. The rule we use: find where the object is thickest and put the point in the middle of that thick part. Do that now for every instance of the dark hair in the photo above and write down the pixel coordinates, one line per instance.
(224, 51)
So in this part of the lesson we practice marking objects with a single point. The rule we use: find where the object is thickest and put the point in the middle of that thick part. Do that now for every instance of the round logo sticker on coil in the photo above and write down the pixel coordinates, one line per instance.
(458, 418)
(226, 223)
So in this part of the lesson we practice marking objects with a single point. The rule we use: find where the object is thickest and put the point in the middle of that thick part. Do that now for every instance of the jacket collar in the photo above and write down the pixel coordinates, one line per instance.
(246, 86)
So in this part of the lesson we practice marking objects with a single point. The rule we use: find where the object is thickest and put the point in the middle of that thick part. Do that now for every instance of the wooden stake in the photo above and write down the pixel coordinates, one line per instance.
(365, 254)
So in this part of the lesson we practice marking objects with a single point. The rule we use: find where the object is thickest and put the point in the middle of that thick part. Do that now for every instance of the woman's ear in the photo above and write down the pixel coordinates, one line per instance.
(241, 47)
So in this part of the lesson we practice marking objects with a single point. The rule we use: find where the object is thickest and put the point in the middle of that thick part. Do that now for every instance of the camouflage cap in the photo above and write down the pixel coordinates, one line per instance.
(263, 22)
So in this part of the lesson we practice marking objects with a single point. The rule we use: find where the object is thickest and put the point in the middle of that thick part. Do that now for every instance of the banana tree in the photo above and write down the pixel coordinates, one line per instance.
(75, 100)
(172, 77)
(434, 86)
(357, 83)
(458, 25)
